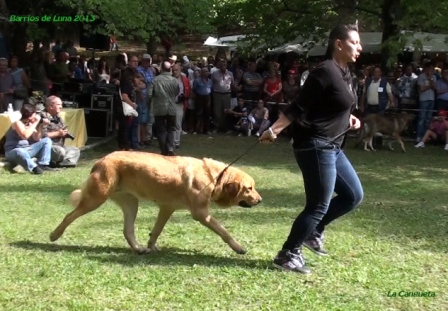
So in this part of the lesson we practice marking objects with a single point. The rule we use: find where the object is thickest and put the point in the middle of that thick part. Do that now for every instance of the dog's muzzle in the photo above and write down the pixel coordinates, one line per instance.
(247, 205)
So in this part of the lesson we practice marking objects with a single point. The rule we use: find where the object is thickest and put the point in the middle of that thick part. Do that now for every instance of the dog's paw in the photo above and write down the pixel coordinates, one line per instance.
(153, 248)
(54, 236)
(240, 251)
(142, 251)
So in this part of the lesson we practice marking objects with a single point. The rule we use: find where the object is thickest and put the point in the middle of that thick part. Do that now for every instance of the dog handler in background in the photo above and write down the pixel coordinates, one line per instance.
(320, 118)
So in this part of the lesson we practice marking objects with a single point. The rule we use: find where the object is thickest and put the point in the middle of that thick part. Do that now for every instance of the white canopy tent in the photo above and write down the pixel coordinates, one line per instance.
(371, 43)
(232, 42)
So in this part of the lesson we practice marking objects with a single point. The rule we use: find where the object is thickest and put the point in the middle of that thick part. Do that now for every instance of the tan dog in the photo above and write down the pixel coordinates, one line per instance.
(391, 124)
(172, 183)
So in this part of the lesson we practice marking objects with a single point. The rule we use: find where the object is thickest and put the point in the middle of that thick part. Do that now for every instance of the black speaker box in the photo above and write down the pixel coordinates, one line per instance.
(94, 41)
(97, 122)
(105, 102)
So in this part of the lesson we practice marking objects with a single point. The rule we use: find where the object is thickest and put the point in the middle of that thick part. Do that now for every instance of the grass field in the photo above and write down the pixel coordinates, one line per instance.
(396, 241)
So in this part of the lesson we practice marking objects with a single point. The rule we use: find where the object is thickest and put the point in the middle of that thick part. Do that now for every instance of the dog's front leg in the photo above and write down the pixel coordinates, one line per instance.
(398, 138)
(207, 220)
(164, 215)
(390, 145)
(366, 142)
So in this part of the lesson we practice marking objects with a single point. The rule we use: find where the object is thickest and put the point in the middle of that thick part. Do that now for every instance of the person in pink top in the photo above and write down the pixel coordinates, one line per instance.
(438, 130)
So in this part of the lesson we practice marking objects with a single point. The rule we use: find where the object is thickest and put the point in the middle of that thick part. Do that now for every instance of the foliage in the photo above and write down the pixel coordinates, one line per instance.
(281, 21)
(394, 241)
(144, 19)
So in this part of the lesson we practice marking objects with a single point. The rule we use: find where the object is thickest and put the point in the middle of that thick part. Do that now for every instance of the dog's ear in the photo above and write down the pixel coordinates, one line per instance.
(232, 189)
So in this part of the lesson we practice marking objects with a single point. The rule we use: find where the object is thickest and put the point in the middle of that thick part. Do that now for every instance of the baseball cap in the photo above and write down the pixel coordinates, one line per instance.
(443, 113)
(146, 56)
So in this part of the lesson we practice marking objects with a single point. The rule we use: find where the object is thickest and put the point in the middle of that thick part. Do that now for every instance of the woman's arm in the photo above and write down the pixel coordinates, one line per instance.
(279, 89)
(23, 131)
(37, 134)
(25, 80)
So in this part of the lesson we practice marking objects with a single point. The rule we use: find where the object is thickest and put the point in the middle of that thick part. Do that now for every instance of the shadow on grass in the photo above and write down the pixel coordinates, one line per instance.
(43, 188)
(165, 257)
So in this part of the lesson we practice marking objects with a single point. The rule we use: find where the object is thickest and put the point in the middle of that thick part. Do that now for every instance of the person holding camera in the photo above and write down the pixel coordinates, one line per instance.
(25, 140)
(56, 130)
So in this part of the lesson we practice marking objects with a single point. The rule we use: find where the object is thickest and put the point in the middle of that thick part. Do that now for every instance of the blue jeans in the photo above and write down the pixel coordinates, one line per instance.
(131, 132)
(24, 156)
(325, 169)
(424, 116)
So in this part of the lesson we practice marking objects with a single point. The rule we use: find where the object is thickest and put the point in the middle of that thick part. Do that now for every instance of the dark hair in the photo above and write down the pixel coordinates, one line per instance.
(27, 111)
(340, 32)
(99, 67)
(127, 74)
(120, 59)
(428, 65)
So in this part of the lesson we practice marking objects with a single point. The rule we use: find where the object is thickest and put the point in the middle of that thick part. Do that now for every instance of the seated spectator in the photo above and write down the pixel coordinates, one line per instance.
(438, 130)
(259, 117)
(236, 118)
(24, 141)
(56, 130)
(273, 87)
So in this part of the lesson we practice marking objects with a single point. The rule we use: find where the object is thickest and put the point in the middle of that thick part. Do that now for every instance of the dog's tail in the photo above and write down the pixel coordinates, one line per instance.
(97, 185)
(362, 133)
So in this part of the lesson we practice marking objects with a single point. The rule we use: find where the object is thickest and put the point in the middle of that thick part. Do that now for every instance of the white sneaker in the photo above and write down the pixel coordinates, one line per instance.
(446, 147)
(249, 132)
(258, 135)
(184, 133)
(422, 145)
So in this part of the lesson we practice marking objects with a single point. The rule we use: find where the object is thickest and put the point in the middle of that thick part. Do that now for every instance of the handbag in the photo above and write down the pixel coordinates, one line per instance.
(128, 110)
(21, 93)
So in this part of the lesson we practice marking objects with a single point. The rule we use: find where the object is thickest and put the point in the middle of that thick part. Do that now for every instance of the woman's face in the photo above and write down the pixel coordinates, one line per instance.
(351, 47)
(14, 62)
(260, 104)
(272, 73)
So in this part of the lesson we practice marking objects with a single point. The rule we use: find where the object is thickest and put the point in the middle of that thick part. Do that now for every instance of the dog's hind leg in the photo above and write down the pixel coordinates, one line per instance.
(207, 220)
(164, 215)
(129, 206)
(390, 145)
(86, 205)
(398, 138)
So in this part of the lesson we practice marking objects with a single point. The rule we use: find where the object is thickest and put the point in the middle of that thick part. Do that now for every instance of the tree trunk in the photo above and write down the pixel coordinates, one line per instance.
(151, 45)
(19, 42)
(390, 17)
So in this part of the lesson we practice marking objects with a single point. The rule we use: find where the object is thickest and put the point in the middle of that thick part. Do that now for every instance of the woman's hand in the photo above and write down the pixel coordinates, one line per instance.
(267, 137)
(354, 122)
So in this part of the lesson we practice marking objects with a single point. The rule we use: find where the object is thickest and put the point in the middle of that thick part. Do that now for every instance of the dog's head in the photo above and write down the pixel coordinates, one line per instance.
(233, 187)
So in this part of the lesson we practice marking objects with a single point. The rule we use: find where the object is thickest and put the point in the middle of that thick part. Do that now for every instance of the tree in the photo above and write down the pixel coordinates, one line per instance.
(279, 21)
(148, 20)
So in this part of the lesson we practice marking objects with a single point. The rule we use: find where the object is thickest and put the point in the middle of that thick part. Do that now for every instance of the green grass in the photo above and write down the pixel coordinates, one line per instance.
(395, 241)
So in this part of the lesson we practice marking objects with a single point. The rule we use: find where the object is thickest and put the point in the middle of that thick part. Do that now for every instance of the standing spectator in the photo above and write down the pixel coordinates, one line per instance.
(426, 87)
(162, 94)
(182, 102)
(252, 82)
(222, 81)
(202, 88)
(7, 86)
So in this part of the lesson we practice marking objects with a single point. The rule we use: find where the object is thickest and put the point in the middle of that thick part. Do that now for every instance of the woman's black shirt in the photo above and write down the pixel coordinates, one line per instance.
(324, 105)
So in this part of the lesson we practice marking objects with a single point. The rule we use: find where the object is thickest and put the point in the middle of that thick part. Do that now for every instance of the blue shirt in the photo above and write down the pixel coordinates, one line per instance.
(442, 85)
(148, 74)
(201, 87)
